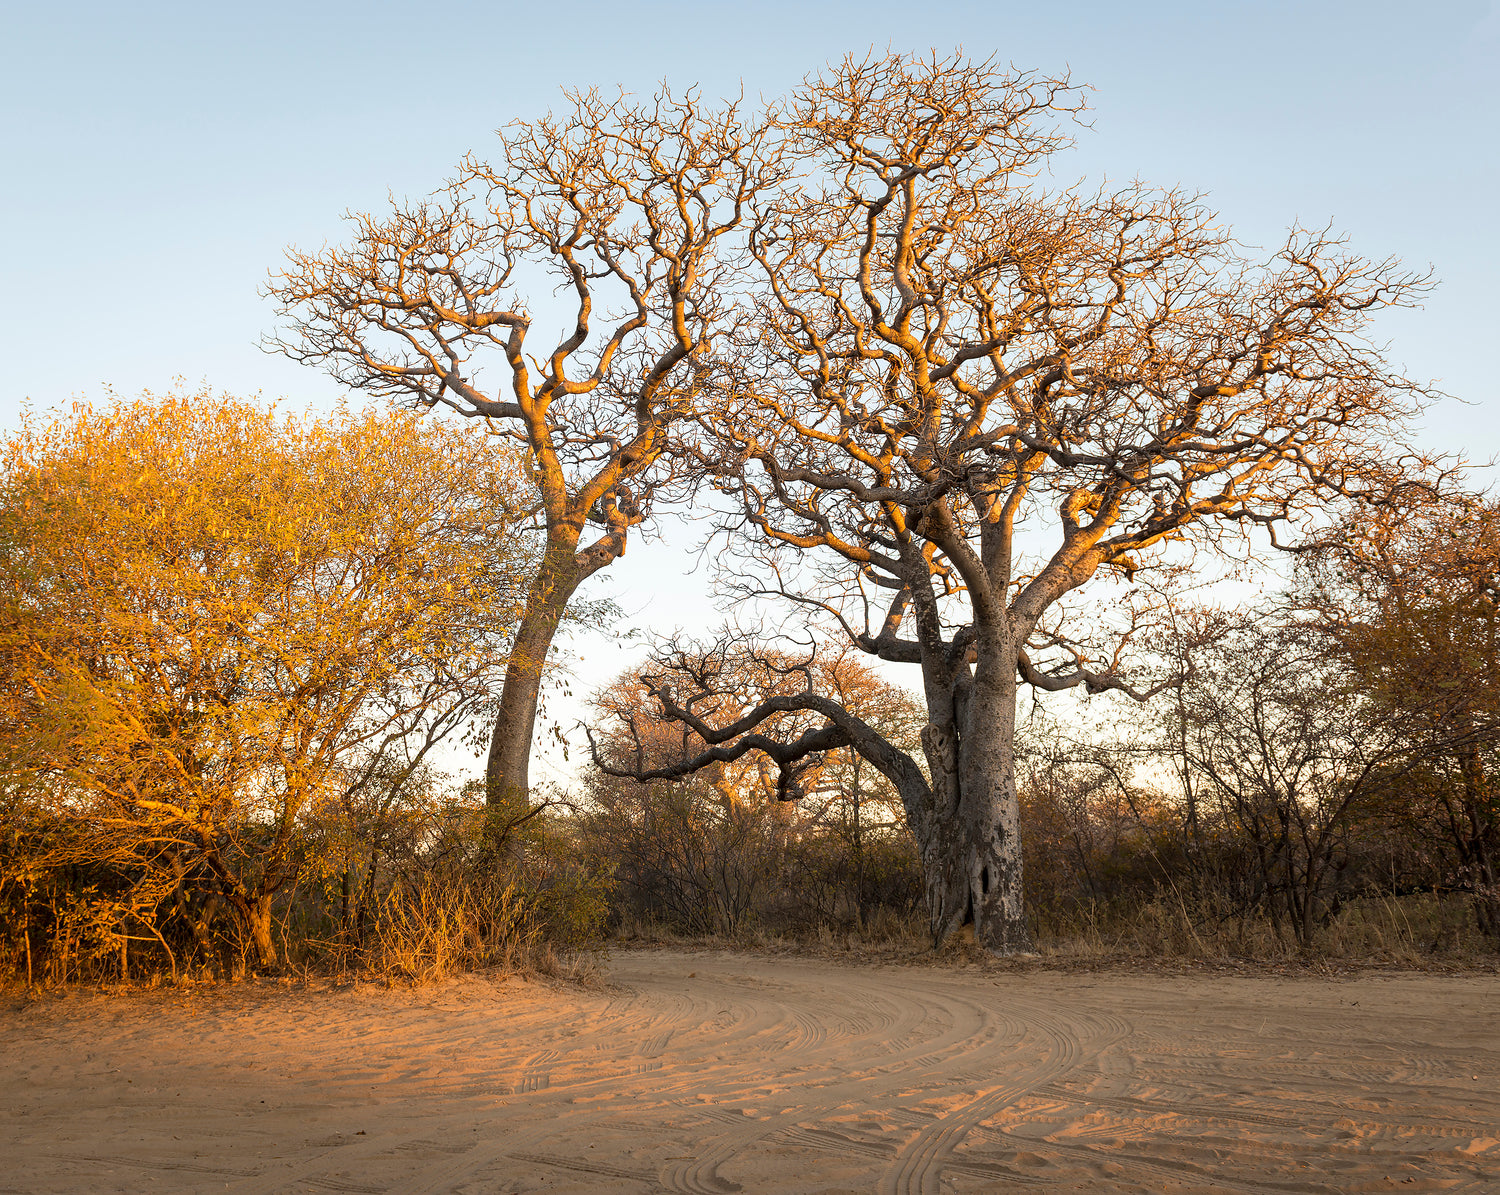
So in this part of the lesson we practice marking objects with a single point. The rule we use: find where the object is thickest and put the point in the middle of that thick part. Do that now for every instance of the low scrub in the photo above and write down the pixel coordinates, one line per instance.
(421, 892)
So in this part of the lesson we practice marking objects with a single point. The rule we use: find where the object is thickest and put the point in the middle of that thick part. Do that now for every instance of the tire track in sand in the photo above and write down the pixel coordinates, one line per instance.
(702, 1073)
(1062, 1042)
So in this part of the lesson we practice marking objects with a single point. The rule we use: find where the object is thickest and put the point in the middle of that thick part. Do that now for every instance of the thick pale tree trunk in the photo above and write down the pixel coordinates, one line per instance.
(507, 770)
(971, 838)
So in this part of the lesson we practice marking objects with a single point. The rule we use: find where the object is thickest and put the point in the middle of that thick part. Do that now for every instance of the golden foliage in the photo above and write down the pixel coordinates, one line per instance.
(207, 610)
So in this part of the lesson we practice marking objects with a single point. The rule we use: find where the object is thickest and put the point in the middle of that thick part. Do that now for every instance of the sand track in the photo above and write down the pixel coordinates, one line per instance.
(711, 1073)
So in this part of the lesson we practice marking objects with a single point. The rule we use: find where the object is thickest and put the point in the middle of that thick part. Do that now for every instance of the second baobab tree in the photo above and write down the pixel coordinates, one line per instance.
(972, 403)
(627, 213)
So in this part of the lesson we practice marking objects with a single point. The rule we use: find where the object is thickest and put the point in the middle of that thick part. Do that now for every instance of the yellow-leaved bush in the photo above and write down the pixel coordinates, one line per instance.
(213, 616)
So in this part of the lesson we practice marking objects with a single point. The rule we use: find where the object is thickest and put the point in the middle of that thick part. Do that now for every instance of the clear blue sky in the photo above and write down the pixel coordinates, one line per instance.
(157, 158)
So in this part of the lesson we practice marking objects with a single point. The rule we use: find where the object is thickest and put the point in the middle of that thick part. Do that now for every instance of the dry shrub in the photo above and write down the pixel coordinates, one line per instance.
(689, 863)
(465, 894)
(1415, 930)
(1411, 928)
(438, 928)
(418, 890)
(1110, 873)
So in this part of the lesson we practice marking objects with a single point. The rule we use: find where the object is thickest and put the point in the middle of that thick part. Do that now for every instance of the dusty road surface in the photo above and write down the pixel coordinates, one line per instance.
(713, 1073)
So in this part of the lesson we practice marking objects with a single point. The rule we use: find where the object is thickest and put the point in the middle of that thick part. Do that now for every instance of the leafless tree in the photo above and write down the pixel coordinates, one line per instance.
(1276, 736)
(633, 209)
(969, 397)
(723, 823)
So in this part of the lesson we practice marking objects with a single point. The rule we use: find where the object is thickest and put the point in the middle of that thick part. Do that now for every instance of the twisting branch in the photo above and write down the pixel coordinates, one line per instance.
(980, 400)
(636, 208)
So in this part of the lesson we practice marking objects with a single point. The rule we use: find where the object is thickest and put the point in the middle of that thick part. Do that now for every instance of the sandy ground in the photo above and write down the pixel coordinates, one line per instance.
(713, 1073)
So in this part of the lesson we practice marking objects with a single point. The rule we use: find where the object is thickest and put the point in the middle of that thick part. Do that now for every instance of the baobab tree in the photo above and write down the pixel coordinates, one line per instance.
(632, 210)
(968, 397)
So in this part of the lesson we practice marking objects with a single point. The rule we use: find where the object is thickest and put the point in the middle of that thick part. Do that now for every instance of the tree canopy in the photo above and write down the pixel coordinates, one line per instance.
(214, 615)
(1406, 592)
(634, 211)
(966, 397)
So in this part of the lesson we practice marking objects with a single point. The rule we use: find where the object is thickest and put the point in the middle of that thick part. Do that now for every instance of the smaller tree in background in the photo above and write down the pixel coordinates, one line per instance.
(857, 800)
(1275, 736)
(1408, 592)
(213, 618)
(832, 799)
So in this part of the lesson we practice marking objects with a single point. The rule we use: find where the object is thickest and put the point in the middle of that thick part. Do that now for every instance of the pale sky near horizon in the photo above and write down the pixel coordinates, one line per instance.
(156, 159)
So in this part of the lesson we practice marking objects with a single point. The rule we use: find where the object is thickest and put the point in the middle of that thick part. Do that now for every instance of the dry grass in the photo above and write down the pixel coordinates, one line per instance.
(435, 929)
(1412, 931)
(421, 933)
(1418, 932)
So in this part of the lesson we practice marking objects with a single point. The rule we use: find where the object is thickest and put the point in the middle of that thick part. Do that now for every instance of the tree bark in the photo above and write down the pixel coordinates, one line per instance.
(971, 847)
(255, 915)
(1476, 853)
(508, 767)
(991, 810)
